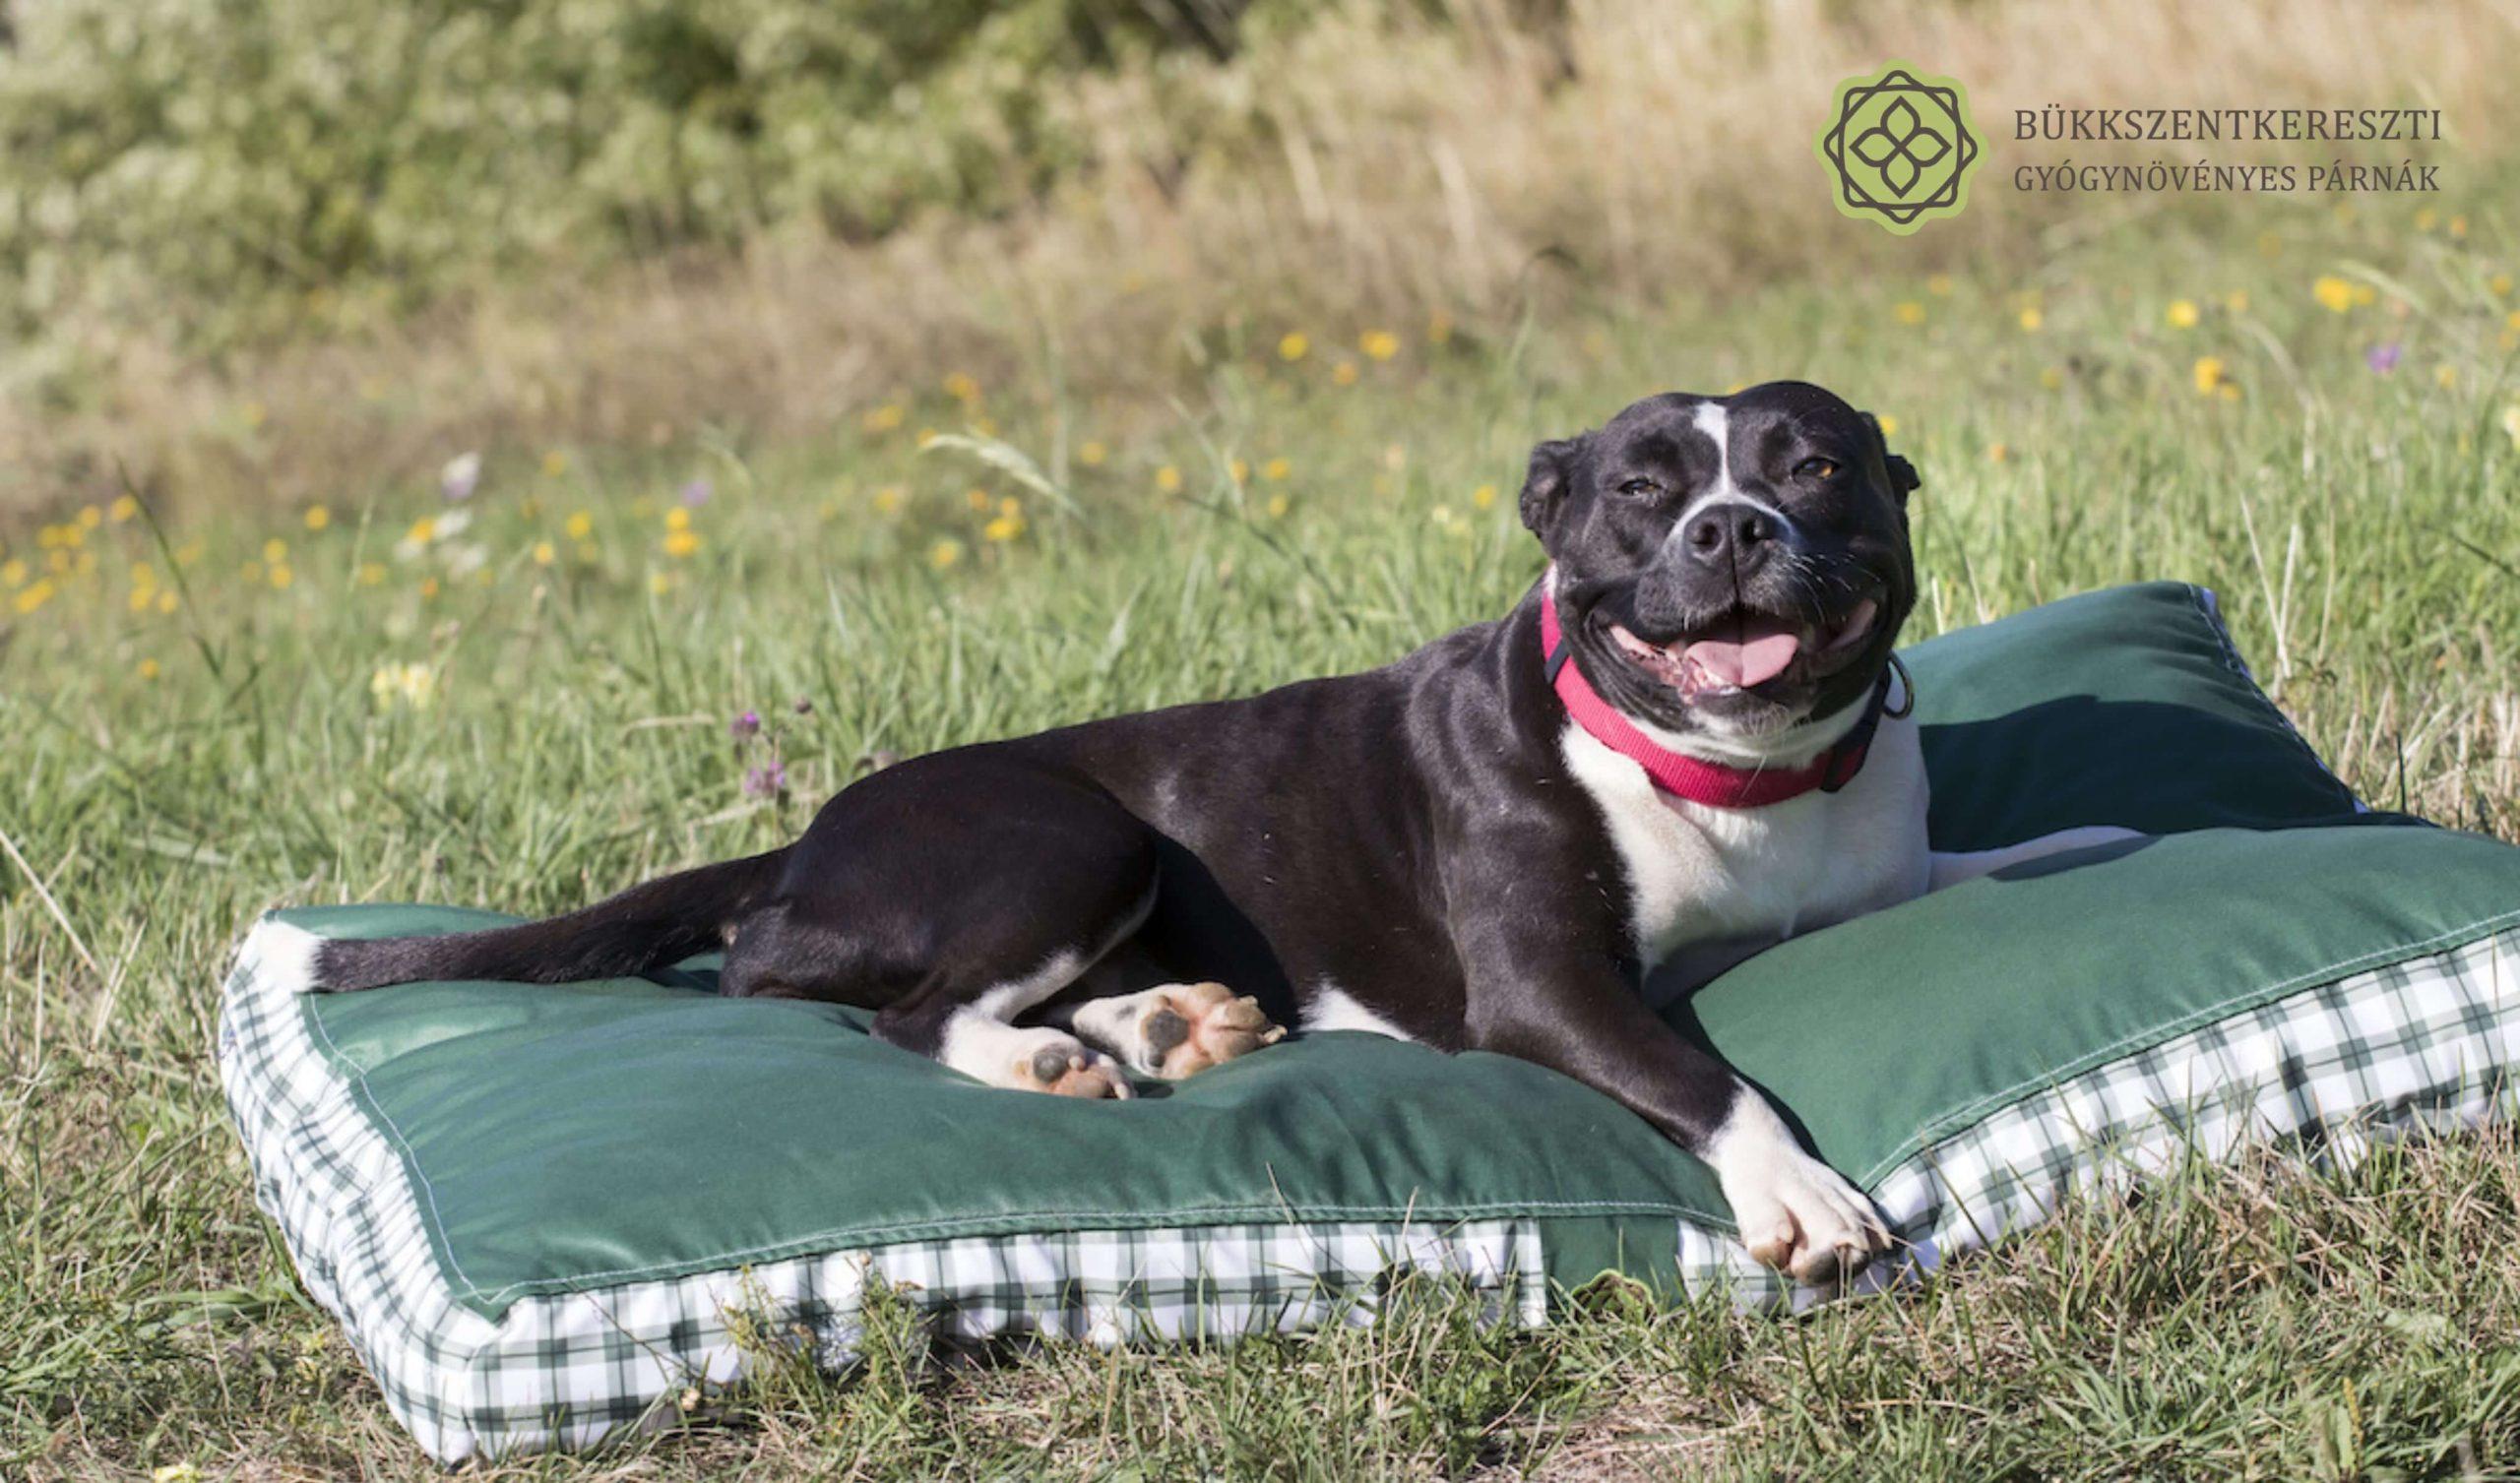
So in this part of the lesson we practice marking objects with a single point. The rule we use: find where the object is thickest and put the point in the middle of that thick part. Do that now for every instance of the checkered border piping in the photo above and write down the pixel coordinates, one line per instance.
(2420, 1042)
(2426, 1042)
(565, 1370)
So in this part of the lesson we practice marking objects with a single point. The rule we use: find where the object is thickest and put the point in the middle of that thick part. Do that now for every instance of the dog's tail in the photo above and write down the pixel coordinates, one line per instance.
(644, 928)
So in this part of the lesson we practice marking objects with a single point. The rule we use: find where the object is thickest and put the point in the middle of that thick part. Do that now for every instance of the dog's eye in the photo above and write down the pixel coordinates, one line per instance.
(1818, 468)
(1640, 487)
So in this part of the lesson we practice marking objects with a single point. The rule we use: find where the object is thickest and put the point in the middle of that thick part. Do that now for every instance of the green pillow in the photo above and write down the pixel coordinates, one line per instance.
(541, 1211)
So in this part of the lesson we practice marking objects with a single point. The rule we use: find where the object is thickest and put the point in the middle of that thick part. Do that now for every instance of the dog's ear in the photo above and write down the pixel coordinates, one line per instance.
(1545, 484)
(1902, 475)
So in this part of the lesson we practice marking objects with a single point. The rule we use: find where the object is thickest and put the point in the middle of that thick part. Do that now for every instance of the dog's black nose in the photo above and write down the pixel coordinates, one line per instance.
(1731, 535)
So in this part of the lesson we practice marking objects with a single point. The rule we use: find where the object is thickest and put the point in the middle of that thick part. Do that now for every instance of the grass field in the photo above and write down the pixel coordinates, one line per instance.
(520, 699)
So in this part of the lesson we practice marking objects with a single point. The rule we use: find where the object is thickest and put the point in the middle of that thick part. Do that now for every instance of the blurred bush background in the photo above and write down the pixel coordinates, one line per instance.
(255, 169)
(293, 248)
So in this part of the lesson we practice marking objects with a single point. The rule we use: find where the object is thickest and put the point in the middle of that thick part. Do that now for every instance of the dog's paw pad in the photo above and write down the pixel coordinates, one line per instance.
(1065, 1067)
(1191, 1026)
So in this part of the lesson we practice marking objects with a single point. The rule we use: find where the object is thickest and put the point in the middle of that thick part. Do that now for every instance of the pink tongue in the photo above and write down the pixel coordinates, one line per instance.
(1747, 662)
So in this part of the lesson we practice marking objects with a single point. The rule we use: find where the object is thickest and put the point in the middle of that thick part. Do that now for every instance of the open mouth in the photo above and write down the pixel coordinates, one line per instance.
(1743, 649)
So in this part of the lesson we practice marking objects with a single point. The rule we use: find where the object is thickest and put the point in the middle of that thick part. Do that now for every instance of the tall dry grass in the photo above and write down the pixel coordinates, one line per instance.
(1633, 155)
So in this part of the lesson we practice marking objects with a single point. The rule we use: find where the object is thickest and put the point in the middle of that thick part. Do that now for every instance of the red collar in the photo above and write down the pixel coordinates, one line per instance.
(1694, 779)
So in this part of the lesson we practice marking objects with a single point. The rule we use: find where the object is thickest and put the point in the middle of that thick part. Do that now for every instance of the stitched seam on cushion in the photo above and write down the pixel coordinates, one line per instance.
(411, 1160)
(1297, 1218)
(2238, 666)
(863, 1235)
(1968, 1114)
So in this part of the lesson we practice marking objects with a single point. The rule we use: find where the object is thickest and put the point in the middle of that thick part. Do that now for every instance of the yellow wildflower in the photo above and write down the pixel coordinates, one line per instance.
(1293, 345)
(89, 517)
(681, 543)
(2208, 373)
(2427, 220)
(1278, 506)
(885, 419)
(422, 532)
(428, 587)
(1092, 453)
(1239, 469)
(1483, 497)
(411, 685)
(1379, 345)
(2333, 293)
(1889, 425)
(544, 553)
(35, 596)
(2499, 286)
(123, 509)
(2236, 301)
(578, 525)
(2031, 319)
(1276, 471)
(888, 500)
(1344, 373)
(962, 388)
(281, 576)
(1909, 312)
(13, 574)
(2182, 314)
(148, 669)
(555, 463)
(1005, 528)
(1169, 479)
(165, 600)
(944, 553)
(1996, 453)
(275, 550)
(976, 498)
(371, 573)
(2053, 377)
(318, 517)
(2445, 376)
(1940, 286)
(678, 518)
(2458, 226)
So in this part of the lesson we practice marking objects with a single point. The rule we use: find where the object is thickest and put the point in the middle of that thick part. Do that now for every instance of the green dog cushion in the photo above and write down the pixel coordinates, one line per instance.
(541, 1211)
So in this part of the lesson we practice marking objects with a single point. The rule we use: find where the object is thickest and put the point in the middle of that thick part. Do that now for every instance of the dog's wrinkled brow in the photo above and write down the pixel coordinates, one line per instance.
(1655, 448)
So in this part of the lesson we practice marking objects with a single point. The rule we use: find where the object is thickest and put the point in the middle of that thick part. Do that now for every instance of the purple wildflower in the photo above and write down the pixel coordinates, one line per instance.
(460, 477)
(745, 726)
(766, 782)
(696, 493)
(2383, 358)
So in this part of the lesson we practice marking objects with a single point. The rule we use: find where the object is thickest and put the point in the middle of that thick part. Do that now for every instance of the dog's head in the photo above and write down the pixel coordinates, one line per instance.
(1729, 568)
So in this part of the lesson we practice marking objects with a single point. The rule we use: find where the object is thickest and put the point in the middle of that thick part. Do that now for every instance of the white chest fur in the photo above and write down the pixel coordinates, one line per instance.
(1701, 875)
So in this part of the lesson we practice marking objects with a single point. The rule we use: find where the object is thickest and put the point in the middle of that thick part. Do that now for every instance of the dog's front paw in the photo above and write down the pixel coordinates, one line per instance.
(1795, 1212)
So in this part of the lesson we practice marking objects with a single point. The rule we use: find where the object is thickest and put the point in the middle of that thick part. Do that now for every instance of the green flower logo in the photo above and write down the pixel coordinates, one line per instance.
(1902, 148)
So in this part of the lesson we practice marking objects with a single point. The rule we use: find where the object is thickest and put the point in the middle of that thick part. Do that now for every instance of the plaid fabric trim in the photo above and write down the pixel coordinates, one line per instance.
(2427, 1043)
(565, 1370)
(2420, 1043)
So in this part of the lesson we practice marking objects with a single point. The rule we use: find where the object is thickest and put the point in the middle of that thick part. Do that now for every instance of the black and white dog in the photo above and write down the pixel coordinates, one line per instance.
(1686, 743)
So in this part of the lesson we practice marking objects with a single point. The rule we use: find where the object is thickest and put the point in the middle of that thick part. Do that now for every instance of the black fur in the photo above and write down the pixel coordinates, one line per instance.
(1409, 835)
